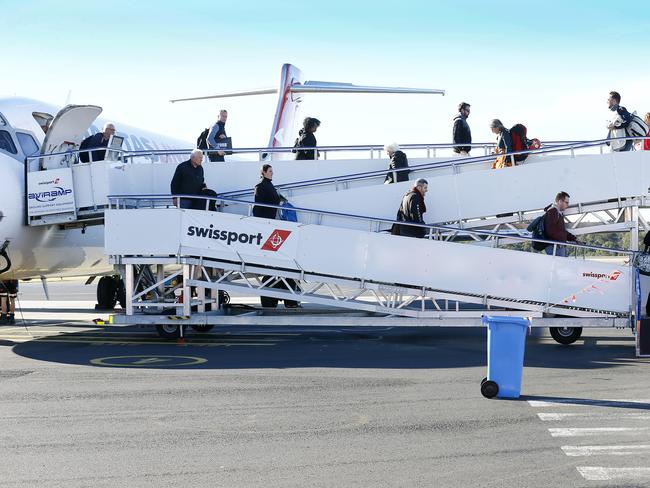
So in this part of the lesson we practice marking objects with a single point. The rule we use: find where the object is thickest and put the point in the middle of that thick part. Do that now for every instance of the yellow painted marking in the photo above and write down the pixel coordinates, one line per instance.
(146, 360)
(150, 361)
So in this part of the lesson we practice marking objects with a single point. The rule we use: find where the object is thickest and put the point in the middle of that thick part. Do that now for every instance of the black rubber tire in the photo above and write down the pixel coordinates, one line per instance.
(203, 327)
(483, 380)
(121, 293)
(106, 293)
(269, 302)
(565, 335)
(489, 389)
(169, 331)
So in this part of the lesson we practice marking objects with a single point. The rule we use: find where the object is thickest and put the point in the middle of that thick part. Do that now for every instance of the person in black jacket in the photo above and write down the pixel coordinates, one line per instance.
(397, 160)
(96, 140)
(306, 138)
(189, 180)
(265, 192)
(412, 209)
(462, 133)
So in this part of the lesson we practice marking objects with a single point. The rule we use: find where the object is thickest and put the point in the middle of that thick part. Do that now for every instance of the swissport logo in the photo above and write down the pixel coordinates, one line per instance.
(275, 240)
(602, 276)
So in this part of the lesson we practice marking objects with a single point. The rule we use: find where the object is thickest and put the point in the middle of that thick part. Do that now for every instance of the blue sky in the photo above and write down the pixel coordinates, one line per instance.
(547, 64)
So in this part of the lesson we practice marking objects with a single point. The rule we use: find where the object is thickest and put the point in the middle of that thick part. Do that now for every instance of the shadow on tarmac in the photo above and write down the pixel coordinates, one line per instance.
(256, 348)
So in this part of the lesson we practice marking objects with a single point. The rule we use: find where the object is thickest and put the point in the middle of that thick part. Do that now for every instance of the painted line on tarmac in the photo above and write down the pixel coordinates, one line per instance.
(590, 431)
(558, 417)
(600, 473)
(622, 450)
(579, 402)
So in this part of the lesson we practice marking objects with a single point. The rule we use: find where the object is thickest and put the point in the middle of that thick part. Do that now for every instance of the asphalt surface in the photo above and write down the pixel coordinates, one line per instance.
(84, 406)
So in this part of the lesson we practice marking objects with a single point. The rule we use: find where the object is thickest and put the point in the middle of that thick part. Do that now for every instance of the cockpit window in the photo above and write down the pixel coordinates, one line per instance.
(27, 143)
(6, 143)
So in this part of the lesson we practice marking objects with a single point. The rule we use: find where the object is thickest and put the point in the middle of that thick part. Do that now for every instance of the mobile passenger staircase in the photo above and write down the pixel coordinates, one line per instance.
(176, 261)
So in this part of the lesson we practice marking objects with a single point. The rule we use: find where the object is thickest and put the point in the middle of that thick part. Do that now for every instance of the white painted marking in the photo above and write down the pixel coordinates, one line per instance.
(557, 417)
(578, 402)
(573, 432)
(599, 473)
(606, 450)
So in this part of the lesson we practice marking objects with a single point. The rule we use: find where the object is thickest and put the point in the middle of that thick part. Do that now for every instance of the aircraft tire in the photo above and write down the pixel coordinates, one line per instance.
(168, 331)
(106, 293)
(565, 335)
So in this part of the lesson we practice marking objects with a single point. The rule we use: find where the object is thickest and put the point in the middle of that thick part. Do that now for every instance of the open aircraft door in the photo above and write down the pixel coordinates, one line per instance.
(50, 196)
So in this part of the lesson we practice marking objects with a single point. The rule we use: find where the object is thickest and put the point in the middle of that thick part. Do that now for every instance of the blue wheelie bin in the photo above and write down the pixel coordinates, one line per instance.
(506, 344)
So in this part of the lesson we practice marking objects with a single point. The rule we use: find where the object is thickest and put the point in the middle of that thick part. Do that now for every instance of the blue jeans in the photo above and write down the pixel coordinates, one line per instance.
(560, 250)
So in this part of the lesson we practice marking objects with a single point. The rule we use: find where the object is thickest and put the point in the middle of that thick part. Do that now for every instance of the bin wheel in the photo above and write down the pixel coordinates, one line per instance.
(566, 335)
(489, 389)
(169, 331)
(203, 327)
(483, 380)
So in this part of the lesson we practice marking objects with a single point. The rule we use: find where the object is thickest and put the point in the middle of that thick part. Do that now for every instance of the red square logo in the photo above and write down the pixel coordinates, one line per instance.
(275, 240)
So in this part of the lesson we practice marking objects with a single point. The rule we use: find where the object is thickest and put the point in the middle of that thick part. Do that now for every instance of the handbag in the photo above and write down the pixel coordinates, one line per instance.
(502, 161)
(641, 261)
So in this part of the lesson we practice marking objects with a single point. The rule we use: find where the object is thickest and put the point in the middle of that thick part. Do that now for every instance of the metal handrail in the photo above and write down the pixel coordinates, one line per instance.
(114, 203)
(166, 152)
(425, 166)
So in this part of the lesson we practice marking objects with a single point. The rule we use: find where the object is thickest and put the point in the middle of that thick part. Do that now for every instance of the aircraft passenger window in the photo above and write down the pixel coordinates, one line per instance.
(27, 143)
(6, 143)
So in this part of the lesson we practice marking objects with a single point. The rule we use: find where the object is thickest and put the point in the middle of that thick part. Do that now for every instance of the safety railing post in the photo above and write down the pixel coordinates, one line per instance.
(128, 288)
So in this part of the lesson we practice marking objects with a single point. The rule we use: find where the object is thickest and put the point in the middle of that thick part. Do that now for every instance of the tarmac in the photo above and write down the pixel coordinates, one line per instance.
(83, 405)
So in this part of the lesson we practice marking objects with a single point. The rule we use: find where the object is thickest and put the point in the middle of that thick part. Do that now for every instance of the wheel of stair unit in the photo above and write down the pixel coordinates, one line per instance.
(269, 302)
(489, 389)
(121, 293)
(106, 293)
(203, 327)
(566, 335)
(169, 331)
(483, 380)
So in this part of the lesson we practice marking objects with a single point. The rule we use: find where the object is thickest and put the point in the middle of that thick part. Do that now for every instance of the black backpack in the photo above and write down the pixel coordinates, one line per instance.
(202, 141)
(536, 228)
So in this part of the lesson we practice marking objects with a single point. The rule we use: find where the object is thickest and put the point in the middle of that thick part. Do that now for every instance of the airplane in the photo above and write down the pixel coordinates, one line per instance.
(30, 127)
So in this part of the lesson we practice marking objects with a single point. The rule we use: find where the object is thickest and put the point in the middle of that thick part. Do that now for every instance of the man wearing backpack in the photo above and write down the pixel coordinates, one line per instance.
(217, 131)
(554, 226)
(621, 118)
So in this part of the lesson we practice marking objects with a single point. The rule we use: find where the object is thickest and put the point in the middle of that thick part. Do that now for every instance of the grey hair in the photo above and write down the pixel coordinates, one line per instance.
(421, 182)
(496, 124)
(195, 152)
(392, 147)
(107, 125)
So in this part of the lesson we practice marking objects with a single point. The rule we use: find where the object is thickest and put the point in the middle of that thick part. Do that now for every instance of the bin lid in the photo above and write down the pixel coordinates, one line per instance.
(501, 319)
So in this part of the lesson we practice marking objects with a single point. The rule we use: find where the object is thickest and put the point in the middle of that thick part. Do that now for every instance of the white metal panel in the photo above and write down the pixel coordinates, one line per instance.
(378, 257)
(480, 193)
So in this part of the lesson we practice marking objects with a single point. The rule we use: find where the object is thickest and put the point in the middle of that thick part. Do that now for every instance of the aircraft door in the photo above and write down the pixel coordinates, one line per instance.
(65, 133)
